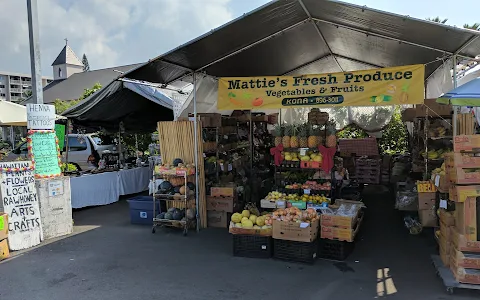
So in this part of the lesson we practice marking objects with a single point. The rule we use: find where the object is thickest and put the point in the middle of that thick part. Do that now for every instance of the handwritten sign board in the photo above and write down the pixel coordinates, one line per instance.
(20, 202)
(40, 116)
(44, 152)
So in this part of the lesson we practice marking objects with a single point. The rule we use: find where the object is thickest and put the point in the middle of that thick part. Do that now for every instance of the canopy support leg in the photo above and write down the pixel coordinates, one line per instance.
(195, 141)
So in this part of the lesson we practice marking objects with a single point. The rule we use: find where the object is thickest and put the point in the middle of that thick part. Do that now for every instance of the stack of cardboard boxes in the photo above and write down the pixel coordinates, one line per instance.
(463, 172)
(220, 203)
(426, 203)
(4, 253)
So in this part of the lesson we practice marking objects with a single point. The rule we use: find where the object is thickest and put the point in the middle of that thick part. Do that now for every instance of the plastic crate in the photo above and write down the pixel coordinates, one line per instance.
(295, 251)
(252, 246)
(141, 210)
(334, 250)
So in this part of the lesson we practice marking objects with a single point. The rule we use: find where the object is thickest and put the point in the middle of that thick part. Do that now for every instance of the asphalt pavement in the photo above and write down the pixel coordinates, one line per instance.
(110, 259)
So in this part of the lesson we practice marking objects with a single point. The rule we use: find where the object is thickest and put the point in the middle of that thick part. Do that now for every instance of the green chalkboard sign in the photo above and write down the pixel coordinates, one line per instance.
(44, 152)
(60, 132)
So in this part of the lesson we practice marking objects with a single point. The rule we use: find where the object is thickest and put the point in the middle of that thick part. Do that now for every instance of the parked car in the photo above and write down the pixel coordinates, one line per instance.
(84, 150)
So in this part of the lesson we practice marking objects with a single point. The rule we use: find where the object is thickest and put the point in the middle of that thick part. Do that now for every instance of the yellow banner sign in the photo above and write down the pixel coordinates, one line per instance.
(387, 86)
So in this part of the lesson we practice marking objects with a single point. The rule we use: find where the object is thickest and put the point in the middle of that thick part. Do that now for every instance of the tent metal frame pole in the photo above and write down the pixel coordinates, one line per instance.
(195, 142)
(383, 36)
(455, 108)
(358, 61)
(320, 34)
(251, 45)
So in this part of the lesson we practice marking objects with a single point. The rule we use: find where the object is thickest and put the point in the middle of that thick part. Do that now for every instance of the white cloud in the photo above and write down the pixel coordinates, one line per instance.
(110, 32)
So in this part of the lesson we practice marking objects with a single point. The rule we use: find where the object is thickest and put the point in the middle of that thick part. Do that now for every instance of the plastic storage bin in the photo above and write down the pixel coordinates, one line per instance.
(295, 251)
(141, 210)
(252, 246)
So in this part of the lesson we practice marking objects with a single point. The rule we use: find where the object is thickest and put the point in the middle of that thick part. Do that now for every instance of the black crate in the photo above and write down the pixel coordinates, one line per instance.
(252, 246)
(302, 252)
(334, 250)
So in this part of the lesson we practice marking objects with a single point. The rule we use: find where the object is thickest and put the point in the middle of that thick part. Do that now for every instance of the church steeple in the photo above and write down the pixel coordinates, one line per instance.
(66, 64)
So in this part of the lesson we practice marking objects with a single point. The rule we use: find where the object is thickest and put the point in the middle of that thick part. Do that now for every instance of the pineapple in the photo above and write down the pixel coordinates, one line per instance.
(312, 139)
(318, 133)
(294, 137)
(286, 136)
(303, 133)
(277, 133)
(331, 140)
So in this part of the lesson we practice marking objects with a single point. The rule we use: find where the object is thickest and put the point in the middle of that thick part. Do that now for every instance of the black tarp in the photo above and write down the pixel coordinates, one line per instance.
(114, 104)
(311, 37)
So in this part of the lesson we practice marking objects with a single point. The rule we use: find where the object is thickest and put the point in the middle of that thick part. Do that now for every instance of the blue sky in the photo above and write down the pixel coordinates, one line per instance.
(118, 32)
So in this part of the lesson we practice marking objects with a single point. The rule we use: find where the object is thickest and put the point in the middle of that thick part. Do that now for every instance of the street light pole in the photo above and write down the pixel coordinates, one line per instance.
(37, 88)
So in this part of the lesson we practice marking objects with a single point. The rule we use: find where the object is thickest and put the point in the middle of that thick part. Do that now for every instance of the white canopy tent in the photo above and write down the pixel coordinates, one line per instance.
(12, 114)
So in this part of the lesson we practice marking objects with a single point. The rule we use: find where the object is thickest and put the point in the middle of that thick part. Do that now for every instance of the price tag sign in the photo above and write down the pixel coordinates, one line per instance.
(303, 151)
(437, 180)
(229, 168)
(306, 191)
(443, 204)
(204, 155)
(426, 187)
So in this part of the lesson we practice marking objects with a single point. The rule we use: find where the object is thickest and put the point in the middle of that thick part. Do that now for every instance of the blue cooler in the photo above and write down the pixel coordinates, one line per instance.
(141, 210)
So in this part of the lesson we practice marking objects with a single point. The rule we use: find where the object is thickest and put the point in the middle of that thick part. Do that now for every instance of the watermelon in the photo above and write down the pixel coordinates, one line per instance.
(177, 161)
(191, 186)
(177, 215)
(165, 187)
(172, 210)
(176, 190)
(169, 216)
(161, 216)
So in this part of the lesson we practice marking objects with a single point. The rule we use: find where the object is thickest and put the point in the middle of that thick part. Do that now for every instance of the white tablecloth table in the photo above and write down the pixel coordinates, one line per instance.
(134, 181)
(95, 189)
(106, 188)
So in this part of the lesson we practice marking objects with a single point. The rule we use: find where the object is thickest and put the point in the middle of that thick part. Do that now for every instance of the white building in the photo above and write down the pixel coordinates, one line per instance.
(15, 87)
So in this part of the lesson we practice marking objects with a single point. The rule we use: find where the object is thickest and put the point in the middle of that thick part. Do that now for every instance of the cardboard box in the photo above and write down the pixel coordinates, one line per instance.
(4, 252)
(433, 108)
(463, 175)
(445, 232)
(426, 187)
(447, 217)
(340, 234)
(223, 191)
(218, 219)
(3, 226)
(465, 260)
(442, 183)
(246, 231)
(460, 242)
(445, 246)
(466, 143)
(462, 275)
(220, 203)
(428, 218)
(462, 160)
(210, 119)
(426, 201)
(273, 204)
(466, 219)
(459, 193)
(292, 231)
(347, 222)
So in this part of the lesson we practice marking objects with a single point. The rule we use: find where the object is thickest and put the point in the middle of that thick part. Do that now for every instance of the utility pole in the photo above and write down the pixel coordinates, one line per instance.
(37, 88)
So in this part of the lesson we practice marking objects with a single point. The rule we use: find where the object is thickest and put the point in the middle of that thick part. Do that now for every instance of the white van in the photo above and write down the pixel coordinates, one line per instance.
(84, 150)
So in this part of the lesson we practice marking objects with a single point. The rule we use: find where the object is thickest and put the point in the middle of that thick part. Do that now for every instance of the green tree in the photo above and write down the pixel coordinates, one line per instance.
(27, 94)
(475, 26)
(86, 65)
(438, 20)
(63, 105)
(395, 136)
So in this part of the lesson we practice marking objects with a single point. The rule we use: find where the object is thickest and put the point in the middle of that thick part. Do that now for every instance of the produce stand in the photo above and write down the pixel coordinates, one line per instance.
(185, 198)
